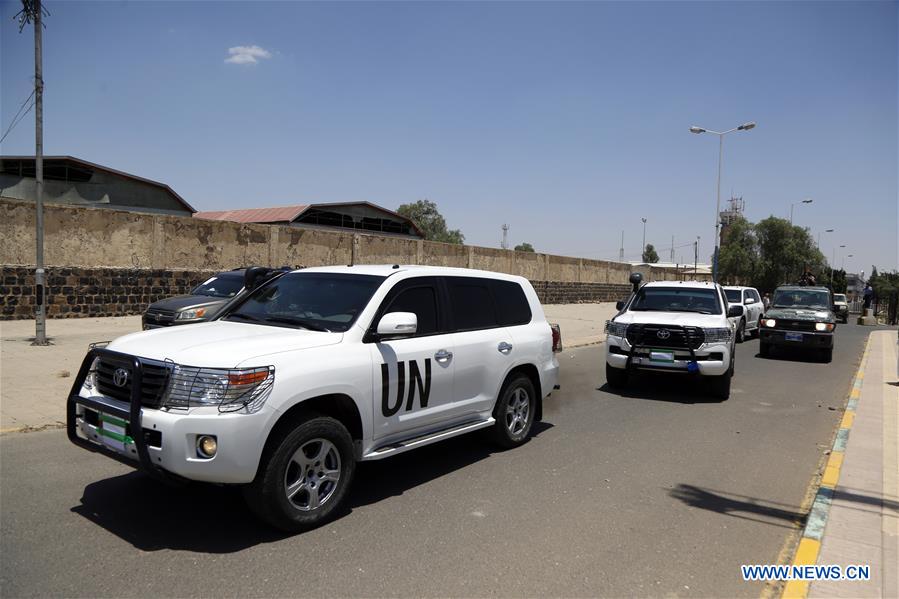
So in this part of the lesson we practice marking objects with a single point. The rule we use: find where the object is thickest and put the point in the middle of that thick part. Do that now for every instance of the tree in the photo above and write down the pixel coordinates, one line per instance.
(649, 254)
(785, 252)
(524, 247)
(839, 281)
(738, 256)
(425, 215)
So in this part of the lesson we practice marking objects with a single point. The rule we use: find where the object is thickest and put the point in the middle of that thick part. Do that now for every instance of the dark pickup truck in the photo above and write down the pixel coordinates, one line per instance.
(800, 317)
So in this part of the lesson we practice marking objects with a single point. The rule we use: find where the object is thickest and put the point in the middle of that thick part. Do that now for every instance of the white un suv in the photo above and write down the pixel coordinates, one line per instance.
(314, 370)
(678, 327)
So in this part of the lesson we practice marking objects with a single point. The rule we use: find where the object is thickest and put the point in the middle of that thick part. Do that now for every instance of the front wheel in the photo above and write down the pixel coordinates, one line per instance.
(514, 412)
(304, 479)
(741, 332)
(616, 377)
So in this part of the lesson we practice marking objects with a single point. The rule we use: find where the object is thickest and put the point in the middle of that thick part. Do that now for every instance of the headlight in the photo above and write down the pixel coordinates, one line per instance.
(228, 389)
(616, 329)
(191, 314)
(717, 335)
(90, 381)
(770, 322)
(823, 326)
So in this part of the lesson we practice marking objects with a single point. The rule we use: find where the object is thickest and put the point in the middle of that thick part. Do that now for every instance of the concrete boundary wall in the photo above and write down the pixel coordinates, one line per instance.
(112, 262)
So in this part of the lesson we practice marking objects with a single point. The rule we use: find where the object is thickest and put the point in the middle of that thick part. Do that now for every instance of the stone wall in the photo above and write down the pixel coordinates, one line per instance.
(107, 262)
(80, 292)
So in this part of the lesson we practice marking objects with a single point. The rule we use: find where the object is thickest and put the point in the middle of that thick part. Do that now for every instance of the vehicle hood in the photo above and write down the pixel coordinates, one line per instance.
(219, 343)
(182, 302)
(691, 319)
(800, 314)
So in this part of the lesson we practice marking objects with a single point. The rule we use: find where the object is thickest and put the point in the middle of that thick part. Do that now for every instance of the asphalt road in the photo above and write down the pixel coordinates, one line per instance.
(658, 492)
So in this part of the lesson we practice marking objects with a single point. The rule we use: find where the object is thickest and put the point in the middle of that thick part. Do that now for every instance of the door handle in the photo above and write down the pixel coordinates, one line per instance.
(443, 355)
(504, 347)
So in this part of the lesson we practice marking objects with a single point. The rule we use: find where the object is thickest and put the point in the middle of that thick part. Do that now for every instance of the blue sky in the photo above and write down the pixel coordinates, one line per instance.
(568, 121)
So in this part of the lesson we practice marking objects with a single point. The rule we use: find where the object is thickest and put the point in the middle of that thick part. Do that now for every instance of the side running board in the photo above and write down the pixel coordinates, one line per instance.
(403, 446)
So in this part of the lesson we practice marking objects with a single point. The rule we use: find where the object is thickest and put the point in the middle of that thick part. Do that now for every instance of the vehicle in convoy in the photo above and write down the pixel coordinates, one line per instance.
(749, 298)
(841, 307)
(201, 305)
(681, 327)
(799, 317)
(313, 370)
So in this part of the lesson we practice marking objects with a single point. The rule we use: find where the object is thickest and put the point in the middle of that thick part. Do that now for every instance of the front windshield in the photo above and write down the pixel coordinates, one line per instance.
(676, 299)
(801, 298)
(220, 286)
(733, 295)
(314, 301)
(839, 297)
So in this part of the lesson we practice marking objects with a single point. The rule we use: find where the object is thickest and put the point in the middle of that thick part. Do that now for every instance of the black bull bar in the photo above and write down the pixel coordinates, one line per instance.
(132, 413)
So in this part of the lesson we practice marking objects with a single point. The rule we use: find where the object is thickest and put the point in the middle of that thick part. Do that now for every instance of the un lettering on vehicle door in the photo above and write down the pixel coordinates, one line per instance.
(412, 384)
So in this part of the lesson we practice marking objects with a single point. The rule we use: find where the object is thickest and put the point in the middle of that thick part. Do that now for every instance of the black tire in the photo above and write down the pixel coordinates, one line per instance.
(741, 331)
(514, 412)
(267, 495)
(616, 377)
(764, 349)
(826, 355)
(720, 385)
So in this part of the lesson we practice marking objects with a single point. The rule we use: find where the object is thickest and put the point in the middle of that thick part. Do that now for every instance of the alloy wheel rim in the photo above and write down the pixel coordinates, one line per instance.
(312, 475)
(517, 411)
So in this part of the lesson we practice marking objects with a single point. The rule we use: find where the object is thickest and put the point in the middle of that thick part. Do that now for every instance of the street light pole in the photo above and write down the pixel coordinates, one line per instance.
(833, 255)
(643, 249)
(720, 134)
(805, 201)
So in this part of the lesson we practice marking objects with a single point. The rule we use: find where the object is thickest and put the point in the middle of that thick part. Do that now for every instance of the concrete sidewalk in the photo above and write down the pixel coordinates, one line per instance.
(34, 381)
(855, 517)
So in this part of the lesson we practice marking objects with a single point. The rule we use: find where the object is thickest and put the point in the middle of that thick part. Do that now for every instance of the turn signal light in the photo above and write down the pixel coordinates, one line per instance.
(247, 378)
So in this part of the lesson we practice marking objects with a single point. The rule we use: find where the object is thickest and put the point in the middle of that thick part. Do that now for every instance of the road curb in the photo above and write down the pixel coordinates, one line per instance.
(810, 542)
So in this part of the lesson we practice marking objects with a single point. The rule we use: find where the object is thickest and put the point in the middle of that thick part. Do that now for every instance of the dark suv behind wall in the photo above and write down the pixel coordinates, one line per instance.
(202, 304)
(800, 317)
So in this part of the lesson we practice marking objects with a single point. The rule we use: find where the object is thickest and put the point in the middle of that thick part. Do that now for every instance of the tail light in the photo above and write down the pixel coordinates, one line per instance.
(557, 337)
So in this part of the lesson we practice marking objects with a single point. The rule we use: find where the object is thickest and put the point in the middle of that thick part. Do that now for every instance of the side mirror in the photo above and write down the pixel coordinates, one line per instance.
(397, 324)
(255, 276)
(734, 311)
(619, 305)
(749, 300)
(635, 280)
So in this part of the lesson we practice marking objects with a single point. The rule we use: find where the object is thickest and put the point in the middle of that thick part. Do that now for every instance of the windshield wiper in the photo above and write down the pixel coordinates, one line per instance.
(306, 324)
(241, 315)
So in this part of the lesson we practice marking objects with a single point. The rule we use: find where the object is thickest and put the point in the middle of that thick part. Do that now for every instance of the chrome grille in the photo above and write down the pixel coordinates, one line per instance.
(154, 377)
(677, 337)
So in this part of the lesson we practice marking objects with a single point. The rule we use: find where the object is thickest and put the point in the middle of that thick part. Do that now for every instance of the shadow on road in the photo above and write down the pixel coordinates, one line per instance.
(653, 386)
(205, 518)
(739, 506)
(787, 354)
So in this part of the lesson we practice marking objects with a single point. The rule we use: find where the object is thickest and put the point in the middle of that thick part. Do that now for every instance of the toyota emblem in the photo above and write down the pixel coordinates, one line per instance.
(663, 334)
(120, 377)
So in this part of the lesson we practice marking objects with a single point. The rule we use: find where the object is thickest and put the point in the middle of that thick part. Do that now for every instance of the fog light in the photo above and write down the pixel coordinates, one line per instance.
(206, 446)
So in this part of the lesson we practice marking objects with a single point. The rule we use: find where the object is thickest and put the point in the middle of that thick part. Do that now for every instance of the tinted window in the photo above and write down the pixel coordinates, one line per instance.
(676, 299)
(321, 301)
(422, 301)
(839, 297)
(220, 286)
(733, 295)
(801, 298)
(472, 304)
(755, 295)
(511, 305)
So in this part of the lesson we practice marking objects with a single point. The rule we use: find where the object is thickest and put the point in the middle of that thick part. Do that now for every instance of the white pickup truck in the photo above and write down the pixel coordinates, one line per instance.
(314, 370)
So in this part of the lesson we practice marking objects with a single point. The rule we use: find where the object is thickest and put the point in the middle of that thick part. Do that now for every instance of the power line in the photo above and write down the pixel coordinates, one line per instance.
(19, 115)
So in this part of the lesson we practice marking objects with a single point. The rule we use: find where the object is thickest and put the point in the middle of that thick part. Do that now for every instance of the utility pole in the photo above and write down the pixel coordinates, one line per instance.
(695, 256)
(621, 250)
(505, 244)
(33, 12)
(671, 258)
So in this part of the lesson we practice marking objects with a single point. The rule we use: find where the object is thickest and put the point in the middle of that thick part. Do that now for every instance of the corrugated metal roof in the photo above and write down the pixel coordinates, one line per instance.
(280, 214)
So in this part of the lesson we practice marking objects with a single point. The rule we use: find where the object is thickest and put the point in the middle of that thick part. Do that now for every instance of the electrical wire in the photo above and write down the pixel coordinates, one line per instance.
(19, 115)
